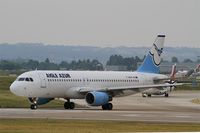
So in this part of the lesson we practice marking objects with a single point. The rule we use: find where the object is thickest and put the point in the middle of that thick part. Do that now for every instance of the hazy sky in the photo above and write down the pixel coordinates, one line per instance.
(100, 22)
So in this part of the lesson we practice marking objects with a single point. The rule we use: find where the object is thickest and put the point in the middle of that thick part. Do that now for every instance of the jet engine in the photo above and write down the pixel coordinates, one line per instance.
(97, 98)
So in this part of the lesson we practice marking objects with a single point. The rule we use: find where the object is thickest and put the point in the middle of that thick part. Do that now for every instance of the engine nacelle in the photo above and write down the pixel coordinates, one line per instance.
(97, 98)
(40, 101)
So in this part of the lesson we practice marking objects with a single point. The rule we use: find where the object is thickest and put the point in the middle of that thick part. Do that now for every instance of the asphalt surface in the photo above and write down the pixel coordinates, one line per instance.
(176, 108)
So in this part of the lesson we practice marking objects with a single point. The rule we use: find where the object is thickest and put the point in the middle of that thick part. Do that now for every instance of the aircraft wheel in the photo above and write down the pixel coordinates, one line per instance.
(107, 106)
(71, 105)
(104, 107)
(166, 95)
(66, 105)
(33, 106)
(149, 95)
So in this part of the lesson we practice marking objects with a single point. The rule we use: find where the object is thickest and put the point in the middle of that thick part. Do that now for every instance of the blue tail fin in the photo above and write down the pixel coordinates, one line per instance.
(152, 61)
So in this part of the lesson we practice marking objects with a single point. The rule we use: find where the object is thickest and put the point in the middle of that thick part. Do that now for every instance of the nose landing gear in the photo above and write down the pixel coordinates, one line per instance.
(33, 102)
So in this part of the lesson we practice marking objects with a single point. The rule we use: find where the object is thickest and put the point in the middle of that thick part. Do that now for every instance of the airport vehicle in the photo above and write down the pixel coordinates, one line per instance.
(98, 88)
(164, 90)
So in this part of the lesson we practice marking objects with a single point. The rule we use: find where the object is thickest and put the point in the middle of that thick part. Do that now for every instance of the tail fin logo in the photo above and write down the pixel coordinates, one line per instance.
(153, 59)
(156, 53)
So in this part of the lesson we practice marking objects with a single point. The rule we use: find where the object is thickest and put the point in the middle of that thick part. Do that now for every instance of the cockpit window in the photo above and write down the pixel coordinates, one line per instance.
(31, 79)
(25, 79)
(21, 79)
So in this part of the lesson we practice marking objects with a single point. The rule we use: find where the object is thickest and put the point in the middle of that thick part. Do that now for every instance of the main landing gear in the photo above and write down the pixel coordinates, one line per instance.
(69, 105)
(107, 106)
(33, 106)
(166, 95)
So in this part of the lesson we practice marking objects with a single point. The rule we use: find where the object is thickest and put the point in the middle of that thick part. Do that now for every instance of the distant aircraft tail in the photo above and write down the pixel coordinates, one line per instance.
(197, 69)
(152, 61)
(193, 71)
(173, 72)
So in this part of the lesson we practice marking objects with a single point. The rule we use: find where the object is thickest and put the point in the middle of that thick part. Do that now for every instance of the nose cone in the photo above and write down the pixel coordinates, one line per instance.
(16, 89)
(13, 88)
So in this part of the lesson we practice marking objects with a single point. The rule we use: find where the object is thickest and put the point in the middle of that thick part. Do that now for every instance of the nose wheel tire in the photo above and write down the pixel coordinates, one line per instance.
(33, 106)
(69, 105)
(107, 106)
(166, 95)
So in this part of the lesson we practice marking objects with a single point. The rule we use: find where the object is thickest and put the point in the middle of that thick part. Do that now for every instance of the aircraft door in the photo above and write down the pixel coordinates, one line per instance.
(42, 80)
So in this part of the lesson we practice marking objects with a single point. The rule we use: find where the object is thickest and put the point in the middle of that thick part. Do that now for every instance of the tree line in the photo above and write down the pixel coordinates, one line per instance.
(47, 65)
(129, 62)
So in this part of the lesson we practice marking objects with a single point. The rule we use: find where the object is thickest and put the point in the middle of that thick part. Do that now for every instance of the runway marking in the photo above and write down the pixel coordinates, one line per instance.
(131, 115)
(183, 116)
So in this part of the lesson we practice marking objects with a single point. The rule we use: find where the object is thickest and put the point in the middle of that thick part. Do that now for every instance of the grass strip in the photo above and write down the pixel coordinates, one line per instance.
(87, 126)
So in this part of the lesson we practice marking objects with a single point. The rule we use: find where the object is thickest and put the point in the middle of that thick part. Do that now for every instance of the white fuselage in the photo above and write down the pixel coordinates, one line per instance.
(67, 84)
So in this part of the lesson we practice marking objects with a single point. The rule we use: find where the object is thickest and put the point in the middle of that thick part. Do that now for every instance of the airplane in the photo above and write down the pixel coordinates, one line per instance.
(162, 91)
(194, 72)
(98, 88)
(188, 73)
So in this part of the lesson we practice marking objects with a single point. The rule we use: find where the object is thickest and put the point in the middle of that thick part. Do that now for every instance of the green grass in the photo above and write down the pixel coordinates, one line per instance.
(5, 82)
(85, 126)
(187, 87)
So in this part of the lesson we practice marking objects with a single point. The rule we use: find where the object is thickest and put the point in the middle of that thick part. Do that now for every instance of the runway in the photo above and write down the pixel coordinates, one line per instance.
(144, 116)
(176, 108)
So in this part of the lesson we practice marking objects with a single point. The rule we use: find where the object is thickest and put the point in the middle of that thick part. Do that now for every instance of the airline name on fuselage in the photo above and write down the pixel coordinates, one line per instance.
(59, 75)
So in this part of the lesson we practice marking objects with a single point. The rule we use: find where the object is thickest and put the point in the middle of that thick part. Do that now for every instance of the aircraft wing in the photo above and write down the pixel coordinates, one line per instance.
(161, 80)
(86, 89)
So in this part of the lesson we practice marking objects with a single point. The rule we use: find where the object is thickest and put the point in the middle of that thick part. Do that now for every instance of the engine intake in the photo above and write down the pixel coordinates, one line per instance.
(97, 98)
